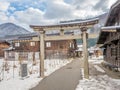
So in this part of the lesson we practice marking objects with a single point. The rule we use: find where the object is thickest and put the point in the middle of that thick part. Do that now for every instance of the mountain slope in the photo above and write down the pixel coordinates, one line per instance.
(11, 29)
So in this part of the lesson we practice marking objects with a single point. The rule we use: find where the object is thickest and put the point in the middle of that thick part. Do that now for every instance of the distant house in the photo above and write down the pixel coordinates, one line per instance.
(109, 37)
(95, 51)
(25, 45)
(3, 45)
(8, 33)
(60, 48)
(79, 51)
(22, 47)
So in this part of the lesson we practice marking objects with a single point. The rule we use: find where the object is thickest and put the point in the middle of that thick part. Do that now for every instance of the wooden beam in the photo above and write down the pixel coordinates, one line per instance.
(68, 37)
(65, 37)
(93, 35)
(35, 39)
(71, 27)
(109, 30)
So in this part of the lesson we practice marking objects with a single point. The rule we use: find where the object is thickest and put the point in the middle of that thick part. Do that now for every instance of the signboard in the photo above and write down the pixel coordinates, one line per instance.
(24, 72)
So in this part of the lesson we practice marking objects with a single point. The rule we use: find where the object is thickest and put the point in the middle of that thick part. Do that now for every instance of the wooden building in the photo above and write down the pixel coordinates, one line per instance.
(95, 51)
(3, 45)
(27, 46)
(22, 46)
(60, 49)
(109, 37)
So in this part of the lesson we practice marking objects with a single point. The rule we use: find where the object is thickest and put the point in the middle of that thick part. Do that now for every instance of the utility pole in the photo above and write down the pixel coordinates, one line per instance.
(42, 54)
(85, 52)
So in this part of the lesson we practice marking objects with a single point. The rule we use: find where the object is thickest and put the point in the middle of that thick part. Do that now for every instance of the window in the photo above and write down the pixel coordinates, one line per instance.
(113, 51)
(48, 44)
(70, 45)
(17, 44)
(32, 43)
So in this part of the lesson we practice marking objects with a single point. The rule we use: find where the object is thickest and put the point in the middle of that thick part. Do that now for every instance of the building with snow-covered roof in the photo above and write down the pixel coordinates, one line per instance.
(109, 37)
(79, 51)
(30, 44)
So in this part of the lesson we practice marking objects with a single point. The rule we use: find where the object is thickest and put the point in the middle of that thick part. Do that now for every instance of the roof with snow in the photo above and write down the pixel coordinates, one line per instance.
(109, 27)
(27, 36)
(18, 37)
(112, 13)
(105, 31)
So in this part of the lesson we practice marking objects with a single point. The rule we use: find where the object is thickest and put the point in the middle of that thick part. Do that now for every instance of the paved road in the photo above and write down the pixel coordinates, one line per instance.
(66, 78)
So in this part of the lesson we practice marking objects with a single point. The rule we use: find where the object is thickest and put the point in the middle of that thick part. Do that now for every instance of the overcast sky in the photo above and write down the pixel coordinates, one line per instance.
(32, 12)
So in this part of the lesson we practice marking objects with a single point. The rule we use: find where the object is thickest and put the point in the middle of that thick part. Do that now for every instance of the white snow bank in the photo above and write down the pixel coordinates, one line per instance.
(96, 61)
(53, 65)
(19, 84)
(99, 83)
(99, 69)
(12, 80)
(96, 58)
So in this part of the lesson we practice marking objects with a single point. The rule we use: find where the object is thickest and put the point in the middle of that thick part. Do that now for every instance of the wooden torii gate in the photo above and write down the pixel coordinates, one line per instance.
(82, 25)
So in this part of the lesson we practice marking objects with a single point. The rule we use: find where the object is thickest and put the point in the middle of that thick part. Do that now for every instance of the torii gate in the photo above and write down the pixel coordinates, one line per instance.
(82, 25)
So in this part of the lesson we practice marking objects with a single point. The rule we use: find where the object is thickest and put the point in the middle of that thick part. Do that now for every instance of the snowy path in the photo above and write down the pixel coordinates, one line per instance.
(99, 79)
(65, 78)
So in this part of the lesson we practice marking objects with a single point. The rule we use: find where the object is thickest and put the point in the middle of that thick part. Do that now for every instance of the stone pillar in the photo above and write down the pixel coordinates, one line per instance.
(42, 54)
(85, 52)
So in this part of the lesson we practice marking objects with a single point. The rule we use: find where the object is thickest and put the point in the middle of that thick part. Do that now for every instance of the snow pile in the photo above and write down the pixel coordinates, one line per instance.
(99, 83)
(52, 65)
(96, 58)
(11, 79)
(19, 84)
(96, 61)
(99, 69)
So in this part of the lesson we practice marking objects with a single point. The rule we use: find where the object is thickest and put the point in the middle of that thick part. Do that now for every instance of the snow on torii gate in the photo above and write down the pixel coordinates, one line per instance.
(82, 25)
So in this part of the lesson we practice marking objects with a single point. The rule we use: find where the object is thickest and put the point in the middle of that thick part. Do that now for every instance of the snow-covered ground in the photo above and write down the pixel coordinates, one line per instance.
(99, 82)
(11, 79)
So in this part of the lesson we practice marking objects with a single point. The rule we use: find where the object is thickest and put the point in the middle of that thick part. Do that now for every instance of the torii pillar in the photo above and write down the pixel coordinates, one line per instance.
(85, 52)
(42, 52)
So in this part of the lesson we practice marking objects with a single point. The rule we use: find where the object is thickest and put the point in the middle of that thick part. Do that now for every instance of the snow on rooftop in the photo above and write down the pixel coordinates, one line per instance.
(81, 21)
(110, 27)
